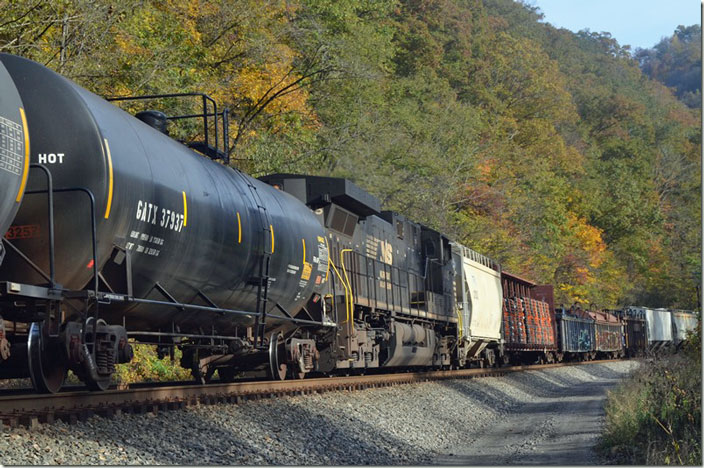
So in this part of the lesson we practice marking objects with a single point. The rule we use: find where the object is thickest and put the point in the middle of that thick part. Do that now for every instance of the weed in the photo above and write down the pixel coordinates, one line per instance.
(654, 417)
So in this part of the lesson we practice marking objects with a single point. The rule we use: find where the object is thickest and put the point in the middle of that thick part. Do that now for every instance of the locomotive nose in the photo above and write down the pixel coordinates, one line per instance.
(14, 151)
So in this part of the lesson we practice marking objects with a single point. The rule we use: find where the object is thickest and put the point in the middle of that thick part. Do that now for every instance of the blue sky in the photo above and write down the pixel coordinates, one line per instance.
(638, 23)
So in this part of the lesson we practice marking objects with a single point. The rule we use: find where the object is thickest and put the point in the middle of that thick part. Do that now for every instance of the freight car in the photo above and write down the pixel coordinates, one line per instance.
(683, 322)
(663, 328)
(577, 334)
(608, 332)
(529, 328)
(658, 325)
(635, 334)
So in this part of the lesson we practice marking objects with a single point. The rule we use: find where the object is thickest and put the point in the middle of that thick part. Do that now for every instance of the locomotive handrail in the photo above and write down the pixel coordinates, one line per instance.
(349, 285)
(344, 285)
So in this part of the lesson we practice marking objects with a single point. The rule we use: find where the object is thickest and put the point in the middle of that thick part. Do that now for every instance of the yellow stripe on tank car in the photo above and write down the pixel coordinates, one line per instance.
(304, 250)
(271, 228)
(185, 210)
(110, 179)
(239, 228)
(25, 171)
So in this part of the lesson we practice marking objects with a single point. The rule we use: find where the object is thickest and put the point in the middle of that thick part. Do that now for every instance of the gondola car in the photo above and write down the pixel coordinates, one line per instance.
(608, 334)
(577, 334)
(529, 328)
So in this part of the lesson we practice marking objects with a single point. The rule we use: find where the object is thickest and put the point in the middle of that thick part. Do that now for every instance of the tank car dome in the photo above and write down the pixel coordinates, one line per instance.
(154, 119)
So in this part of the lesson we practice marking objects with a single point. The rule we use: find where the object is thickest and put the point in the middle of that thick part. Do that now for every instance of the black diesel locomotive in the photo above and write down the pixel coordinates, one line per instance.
(114, 230)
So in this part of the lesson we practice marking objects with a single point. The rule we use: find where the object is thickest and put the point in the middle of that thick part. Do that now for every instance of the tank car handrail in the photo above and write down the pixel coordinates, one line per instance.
(155, 96)
(51, 277)
(50, 196)
(94, 237)
(206, 98)
(93, 225)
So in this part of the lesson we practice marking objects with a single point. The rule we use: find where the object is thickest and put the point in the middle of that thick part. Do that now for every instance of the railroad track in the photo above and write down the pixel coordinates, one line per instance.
(18, 408)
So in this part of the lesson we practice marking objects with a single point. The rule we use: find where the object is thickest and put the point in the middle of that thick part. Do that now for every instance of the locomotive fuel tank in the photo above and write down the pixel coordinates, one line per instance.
(14, 155)
(186, 226)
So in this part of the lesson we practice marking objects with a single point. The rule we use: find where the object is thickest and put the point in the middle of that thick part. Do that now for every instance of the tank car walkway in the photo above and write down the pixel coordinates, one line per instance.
(556, 428)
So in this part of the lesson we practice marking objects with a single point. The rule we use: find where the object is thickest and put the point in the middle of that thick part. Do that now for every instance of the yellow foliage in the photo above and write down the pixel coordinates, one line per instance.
(147, 367)
(589, 238)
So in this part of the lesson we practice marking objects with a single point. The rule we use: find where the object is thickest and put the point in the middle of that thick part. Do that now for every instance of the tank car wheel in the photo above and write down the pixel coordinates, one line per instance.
(99, 385)
(47, 365)
(277, 350)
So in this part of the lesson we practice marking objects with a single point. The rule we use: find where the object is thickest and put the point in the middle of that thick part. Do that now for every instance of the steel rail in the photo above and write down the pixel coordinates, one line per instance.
(32, 409)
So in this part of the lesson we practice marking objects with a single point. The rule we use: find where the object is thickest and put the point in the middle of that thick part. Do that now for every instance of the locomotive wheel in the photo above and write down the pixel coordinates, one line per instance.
(47, 366)
(277, 350)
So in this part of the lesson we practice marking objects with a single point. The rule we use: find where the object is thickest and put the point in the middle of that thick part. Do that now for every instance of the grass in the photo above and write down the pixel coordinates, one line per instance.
(654, 417)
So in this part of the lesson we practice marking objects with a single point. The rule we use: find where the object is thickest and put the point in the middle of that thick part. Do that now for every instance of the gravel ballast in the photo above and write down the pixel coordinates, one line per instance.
(408, 424)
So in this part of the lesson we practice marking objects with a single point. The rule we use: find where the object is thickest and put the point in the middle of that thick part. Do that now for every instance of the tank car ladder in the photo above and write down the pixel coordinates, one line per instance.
(262, 281)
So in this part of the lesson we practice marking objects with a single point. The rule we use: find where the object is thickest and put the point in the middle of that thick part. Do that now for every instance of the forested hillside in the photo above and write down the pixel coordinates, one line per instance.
(547, 150)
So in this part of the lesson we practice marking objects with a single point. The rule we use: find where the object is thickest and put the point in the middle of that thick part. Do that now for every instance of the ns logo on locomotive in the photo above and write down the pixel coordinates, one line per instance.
(114, 230)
